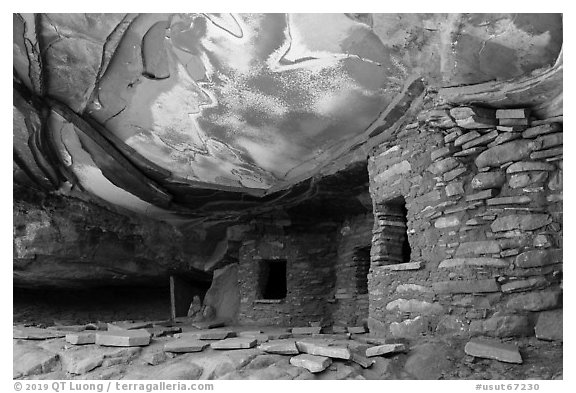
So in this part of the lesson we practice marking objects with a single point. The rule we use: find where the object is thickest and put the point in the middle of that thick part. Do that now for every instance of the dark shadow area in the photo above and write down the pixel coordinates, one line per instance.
(272, 279)
(362, 260)
(80, 306)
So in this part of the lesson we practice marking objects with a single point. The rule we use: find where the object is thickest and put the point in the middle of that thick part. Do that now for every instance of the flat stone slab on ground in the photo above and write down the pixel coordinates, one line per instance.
(128, 325)
(260, 337)
(306, 330)
(123, 338)
(385, 349)
(492, 349)
(154, 358)
(32, 360)
(81, 338)
(370, 340)
(82, 363)
(208, 334)
(362, 360)
(184, 345)
(322, 349)
(312, 363)
(209, 324)
(159, 331)
(277, 335)
(34, 333)
(280, 347)
(235, 343)
(334, 336)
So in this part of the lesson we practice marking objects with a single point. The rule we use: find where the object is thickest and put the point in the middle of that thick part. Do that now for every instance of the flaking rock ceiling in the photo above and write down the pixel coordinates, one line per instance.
(145, 110)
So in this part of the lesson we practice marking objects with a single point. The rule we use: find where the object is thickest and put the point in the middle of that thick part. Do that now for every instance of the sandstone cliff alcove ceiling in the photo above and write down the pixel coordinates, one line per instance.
(170, 113)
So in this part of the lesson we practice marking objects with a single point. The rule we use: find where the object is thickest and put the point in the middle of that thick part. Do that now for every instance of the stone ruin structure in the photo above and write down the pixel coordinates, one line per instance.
(404, 190)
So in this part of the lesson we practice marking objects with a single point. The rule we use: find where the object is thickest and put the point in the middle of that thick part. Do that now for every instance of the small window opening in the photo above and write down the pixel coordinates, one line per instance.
(393, 216)
(272, 279)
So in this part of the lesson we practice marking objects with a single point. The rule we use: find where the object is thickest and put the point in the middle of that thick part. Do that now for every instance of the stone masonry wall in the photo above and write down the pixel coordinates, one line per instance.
(309, 274)
(484, 222)
(352, 265)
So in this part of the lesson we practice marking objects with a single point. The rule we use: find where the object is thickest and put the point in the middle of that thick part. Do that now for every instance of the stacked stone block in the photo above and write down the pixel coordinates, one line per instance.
(483, 190)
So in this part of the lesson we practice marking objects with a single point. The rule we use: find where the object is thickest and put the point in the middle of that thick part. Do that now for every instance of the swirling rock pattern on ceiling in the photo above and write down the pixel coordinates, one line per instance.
(239, 102)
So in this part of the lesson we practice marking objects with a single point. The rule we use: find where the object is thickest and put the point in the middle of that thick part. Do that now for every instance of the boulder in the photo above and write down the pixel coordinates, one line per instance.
(223, 295)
